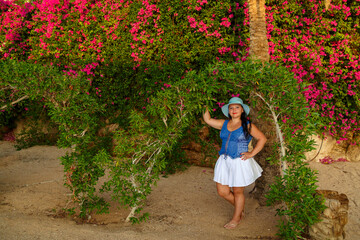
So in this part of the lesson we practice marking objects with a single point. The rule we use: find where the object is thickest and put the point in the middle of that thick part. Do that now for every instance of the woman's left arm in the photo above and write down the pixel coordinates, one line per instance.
(261, 140)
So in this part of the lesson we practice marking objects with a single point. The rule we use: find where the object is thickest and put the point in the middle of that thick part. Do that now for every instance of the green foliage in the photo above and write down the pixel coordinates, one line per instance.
(152, 134)
(301, 203)
(34, 136)
(106, 62)
(153, 131)
(83, 169)
(175, 160)
(285, 107)
(74, 109)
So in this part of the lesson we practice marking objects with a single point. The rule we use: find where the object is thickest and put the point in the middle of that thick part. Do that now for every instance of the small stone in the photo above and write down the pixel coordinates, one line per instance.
(325, 229)
(337, 230)
(334, 204)
(327, 202)
(333, 218)
(353, 153)
(343, 218)
(329, 213)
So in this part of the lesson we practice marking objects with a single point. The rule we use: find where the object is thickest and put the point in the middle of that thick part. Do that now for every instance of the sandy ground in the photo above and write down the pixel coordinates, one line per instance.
(182, 206)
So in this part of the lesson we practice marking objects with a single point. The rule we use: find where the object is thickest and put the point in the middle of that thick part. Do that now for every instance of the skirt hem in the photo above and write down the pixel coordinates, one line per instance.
(236, 172)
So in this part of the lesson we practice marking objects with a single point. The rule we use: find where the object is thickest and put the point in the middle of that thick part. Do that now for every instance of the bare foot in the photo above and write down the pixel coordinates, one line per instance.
(231, 225)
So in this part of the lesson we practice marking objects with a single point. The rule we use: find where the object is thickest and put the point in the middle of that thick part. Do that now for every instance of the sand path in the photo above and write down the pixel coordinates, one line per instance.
(182, 206)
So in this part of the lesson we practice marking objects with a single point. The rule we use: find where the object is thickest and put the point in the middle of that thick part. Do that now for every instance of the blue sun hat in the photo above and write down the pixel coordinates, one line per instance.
(235, 100)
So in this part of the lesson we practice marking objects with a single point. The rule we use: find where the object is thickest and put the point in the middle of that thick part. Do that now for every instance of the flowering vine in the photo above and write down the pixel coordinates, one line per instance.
(321, 48)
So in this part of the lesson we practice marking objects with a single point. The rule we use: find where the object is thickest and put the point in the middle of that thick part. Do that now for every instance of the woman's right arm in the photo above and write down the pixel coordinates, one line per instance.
(215, 123)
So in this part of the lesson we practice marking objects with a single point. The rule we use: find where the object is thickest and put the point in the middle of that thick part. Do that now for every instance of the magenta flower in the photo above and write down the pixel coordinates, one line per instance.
(225, 22)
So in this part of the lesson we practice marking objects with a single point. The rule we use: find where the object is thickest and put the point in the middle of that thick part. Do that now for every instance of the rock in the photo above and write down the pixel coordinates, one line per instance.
(204, 132)
(334, 204)
(338, 151)
(199, 158)
(329, 147)
(329, 214)
(42, 125)
(353, 153)
(322, 147)
(193, 146)
(108, 128)
(333, 219)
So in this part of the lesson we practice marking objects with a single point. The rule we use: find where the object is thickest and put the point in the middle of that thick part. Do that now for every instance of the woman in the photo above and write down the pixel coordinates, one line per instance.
(236, 167)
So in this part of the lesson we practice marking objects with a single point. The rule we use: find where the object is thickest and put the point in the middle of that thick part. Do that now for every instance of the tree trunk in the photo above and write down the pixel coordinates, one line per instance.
(327, 4)
(259, 47)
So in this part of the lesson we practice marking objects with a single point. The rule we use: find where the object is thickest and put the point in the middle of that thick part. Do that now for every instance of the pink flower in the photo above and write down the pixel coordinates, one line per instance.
(192, 22)
(202, 2)
(220, 104)
(351, 93)
(224, 50)
(225, 22)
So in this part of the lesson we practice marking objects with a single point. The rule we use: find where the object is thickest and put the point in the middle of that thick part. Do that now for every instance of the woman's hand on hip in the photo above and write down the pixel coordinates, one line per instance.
(246, 155)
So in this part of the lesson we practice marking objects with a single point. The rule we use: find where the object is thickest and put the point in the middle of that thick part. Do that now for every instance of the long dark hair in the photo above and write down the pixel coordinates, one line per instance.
(244, 123)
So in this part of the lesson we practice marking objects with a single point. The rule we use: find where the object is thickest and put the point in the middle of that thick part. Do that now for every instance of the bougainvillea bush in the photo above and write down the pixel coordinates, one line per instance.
(142, 45)
(121, 44)
(321, 47)
(92, 63)
(116, 54)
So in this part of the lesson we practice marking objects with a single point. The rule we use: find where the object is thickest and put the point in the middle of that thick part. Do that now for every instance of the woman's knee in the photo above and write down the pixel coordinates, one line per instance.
(238, 190)
(223, 191)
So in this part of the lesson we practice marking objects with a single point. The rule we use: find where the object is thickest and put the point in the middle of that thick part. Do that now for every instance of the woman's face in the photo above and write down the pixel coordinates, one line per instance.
(235, 110)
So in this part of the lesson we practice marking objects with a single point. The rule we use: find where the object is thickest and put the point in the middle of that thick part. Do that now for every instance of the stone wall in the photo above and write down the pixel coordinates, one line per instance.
(198, 154)
(328, 147)
(333, 219)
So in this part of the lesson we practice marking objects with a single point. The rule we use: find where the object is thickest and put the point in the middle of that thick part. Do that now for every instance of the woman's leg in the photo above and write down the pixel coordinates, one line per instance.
(236, 198)
(225, 192)
(239, 203)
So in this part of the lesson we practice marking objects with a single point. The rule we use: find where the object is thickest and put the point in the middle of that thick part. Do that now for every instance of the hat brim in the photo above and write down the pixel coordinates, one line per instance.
(225, 109)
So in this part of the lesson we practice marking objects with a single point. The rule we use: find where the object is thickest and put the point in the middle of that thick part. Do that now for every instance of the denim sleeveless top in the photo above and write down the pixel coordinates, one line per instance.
(233, 143)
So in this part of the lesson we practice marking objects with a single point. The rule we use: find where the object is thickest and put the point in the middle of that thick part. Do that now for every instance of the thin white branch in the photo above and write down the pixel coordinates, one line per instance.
(131, 214)
(81, 134)
(15, 102)
(137, 157)
(134, 184)
(156, 152)
(152, 143)
(278, 134)
(181, 118)
(148, 171)
(164, 120)
(7, 87)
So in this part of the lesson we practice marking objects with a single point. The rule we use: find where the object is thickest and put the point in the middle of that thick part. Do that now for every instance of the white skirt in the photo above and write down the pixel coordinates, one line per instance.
(236, 172)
